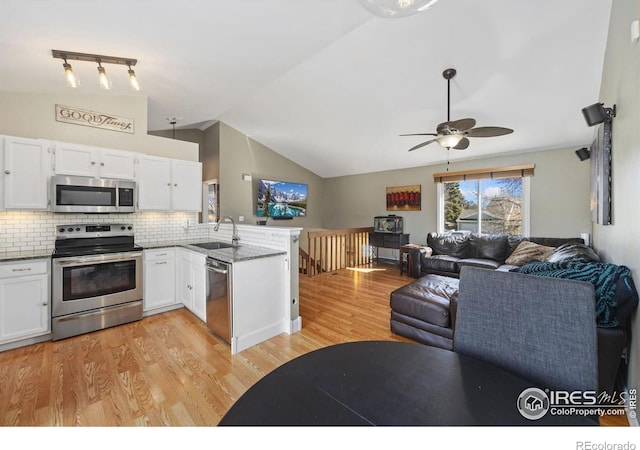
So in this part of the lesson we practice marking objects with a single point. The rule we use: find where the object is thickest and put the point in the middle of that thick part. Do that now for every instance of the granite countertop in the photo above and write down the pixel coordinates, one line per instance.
(25, 255)
(240, 253)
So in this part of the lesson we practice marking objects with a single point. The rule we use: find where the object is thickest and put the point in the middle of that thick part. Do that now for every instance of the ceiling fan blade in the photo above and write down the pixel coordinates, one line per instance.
(464, 143)
(419, 134)
(462, 124)
(488, 131)
(422, 145)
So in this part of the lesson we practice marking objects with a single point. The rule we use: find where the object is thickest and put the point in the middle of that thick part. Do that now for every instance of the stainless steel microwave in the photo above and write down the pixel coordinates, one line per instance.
(92, 195)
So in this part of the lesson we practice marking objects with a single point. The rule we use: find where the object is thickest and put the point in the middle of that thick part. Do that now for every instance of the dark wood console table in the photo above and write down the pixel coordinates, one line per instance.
(387, 240)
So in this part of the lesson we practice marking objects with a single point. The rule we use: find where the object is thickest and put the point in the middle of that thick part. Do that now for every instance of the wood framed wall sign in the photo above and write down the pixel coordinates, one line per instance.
(404, 198)
(76, 116)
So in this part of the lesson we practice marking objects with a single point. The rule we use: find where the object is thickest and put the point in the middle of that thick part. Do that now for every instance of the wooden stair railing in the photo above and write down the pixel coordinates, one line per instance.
(305, 261)
(330, 250)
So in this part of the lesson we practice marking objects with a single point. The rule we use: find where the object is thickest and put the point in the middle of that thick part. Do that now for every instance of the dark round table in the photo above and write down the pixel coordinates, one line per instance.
(387, 383)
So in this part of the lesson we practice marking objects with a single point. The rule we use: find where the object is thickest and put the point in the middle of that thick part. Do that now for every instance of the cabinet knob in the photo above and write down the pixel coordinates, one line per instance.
(168, 184)
(7, 172)
(175, 185)
(45, 303)
(93, 162)
(102, 164)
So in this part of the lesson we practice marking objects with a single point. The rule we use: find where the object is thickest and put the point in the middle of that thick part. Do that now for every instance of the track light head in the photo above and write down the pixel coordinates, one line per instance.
(597, 113)
(70, 77)
(133, 80)
(103, 79)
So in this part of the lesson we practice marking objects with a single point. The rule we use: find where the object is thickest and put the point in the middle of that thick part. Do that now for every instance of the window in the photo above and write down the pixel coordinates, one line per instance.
(484, 202)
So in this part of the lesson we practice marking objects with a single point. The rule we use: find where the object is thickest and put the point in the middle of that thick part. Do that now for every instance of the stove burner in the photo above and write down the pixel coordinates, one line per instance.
(93, 239)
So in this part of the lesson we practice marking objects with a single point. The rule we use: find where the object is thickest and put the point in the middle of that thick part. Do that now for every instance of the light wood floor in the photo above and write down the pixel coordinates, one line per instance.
(168, 369)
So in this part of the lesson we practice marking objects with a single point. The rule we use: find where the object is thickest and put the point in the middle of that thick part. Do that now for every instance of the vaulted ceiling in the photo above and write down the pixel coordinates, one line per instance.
(324, 82)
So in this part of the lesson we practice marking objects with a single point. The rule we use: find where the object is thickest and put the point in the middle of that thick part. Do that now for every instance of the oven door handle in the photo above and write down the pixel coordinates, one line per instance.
(77, 260)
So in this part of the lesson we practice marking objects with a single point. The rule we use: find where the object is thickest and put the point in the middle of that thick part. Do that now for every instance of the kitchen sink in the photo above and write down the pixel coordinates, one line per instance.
(213, 245)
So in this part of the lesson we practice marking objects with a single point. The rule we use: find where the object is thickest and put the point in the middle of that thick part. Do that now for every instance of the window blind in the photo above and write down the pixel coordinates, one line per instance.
(525, 170)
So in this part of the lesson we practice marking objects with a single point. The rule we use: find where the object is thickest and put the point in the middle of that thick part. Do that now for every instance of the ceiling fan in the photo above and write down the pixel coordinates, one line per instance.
(455, 134)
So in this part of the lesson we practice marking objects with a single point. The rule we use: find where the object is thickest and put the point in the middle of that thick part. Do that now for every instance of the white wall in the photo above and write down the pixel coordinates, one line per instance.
(239, 154)
(619, 243)
(559, 195)
(32, 115)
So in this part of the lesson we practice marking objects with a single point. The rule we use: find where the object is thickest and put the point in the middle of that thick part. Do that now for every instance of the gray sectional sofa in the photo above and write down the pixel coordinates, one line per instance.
(425, 310)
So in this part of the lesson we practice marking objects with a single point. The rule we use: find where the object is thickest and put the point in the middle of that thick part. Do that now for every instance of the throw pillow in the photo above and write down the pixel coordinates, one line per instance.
(571, 251)
(527, 251)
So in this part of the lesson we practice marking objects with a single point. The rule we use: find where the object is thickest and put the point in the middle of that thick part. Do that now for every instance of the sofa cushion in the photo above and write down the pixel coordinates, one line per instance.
(508, 268)
(487, 247)
(479, 262)
(528, 251)
(447, 244)
(439, 263)
(427, 299)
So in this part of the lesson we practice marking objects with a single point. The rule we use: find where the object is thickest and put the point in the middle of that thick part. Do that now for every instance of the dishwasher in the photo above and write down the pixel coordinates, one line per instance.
(219, 298)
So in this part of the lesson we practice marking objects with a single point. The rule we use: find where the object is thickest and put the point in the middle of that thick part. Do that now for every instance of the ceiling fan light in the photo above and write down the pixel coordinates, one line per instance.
(396, 8)
(449, 140)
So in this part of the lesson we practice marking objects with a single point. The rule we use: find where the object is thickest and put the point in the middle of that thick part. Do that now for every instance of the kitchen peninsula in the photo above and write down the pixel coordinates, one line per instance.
(258, 283)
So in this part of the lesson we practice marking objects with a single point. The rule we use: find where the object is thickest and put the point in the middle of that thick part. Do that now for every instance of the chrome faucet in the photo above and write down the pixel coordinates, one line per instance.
(234, 238)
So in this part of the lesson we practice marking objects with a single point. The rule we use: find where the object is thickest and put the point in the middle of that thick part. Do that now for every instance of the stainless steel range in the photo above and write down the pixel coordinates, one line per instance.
(96, 278)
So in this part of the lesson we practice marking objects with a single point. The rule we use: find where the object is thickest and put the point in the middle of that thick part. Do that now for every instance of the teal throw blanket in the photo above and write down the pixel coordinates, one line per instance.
(616, 295)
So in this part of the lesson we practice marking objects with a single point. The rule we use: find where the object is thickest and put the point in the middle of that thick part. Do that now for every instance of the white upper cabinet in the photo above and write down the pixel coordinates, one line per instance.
(186, 189)
(88, 161)
(153, 176)
(25, 172)
(168, 184)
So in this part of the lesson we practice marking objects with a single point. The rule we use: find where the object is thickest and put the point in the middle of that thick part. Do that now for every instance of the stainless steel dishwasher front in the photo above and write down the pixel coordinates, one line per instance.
(219, 298)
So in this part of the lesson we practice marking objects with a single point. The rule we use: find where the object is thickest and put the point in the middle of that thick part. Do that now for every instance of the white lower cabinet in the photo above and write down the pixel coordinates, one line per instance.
(258, 301)
(159, 287)
(24, 300)
(191, 282)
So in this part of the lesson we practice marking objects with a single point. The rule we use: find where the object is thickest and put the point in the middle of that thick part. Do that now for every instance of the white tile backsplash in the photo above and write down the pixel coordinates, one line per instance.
(27, 231)
(35, 230)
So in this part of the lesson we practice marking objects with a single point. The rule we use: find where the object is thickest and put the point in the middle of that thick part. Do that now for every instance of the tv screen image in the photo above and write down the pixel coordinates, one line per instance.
(281, 199)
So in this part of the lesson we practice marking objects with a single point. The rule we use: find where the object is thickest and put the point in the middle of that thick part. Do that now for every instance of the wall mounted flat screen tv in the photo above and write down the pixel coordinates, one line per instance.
(281, 199)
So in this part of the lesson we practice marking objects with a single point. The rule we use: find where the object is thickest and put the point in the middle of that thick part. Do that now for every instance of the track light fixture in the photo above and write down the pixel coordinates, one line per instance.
(103, 79)
(597, 113)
